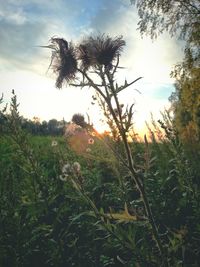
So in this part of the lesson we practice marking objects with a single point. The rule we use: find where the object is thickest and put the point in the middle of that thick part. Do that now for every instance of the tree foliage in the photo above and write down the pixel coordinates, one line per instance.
(182, 19)
(186, 104)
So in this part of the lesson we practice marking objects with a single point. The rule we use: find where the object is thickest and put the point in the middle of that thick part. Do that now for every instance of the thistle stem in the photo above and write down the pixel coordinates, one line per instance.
(122, 131)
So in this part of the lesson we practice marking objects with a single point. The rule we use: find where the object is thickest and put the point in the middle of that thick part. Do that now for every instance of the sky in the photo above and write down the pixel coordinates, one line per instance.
(27, 24)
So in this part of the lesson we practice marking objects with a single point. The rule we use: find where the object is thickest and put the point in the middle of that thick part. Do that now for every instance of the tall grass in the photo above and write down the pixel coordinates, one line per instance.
(93, 218)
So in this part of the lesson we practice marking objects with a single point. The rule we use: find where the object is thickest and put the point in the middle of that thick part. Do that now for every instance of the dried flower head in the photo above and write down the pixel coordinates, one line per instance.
(101, 50)
(66, 169)
(85, 55)
(63, 60)
(76, 167)
(54, 143)
(79, 119)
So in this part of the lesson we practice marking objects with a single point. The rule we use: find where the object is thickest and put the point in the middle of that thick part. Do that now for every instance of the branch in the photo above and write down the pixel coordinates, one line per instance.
(127, 85)
(121, 88)
(95, 86)
(102, 75)
(116, 66)
(191, 5)
(84, 84)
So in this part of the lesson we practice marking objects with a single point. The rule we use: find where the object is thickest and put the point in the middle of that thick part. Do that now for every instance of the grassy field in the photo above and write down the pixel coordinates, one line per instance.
(76, 201)
(94, 217)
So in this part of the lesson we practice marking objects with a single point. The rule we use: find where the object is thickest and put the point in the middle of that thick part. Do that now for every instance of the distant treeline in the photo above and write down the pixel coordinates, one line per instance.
(35, 127)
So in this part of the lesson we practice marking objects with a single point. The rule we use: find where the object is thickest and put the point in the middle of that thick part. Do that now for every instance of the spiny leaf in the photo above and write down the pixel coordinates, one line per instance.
(123, 216)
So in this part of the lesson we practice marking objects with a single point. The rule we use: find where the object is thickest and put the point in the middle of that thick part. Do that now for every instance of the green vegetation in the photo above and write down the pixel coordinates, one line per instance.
(180, 18)
(85, 199)
(72, 197)
(35, 127)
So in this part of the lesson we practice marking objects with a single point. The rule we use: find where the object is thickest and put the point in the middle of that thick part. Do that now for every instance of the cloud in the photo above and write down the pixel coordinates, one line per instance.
(26, 24)
(19, 33)
(142, 56)
(15, 16)
(108, 15)
(18, 42)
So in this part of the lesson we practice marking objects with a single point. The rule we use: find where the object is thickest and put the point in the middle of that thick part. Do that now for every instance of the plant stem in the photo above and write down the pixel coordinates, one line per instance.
(111, 91)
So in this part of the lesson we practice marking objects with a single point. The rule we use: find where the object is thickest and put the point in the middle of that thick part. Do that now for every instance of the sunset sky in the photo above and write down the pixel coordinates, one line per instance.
(27, 24)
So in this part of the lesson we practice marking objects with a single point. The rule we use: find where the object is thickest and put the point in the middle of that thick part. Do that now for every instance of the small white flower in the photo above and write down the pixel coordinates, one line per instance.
(63, 177)
(54, 143)
(66, 168)
(90, 141)
(76, 167)
(88, 150)
(93, 133)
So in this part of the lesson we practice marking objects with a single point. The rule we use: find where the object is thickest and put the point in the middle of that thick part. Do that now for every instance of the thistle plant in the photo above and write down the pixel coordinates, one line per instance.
(94, 63)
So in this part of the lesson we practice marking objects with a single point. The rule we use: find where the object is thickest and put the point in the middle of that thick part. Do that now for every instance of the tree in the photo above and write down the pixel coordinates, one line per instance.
(53, 127)
(182, 19)
(178, 17)
(186, 104)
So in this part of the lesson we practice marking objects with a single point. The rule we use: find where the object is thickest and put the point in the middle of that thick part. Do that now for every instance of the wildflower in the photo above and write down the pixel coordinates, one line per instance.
(79, 119)
(94, 133)
(84, 54)
(76, 167)
(63, 60)
(66, 168)
(101, 50)
(71, 129)
(54, 143)
(90, 141)
(88, 150)
(63, 177)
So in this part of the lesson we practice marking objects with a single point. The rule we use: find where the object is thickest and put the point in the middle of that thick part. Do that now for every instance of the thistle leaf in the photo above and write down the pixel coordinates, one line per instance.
(123, 216)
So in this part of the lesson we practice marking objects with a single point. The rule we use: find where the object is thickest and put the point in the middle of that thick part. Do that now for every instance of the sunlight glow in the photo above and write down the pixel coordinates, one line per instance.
(23, 65)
